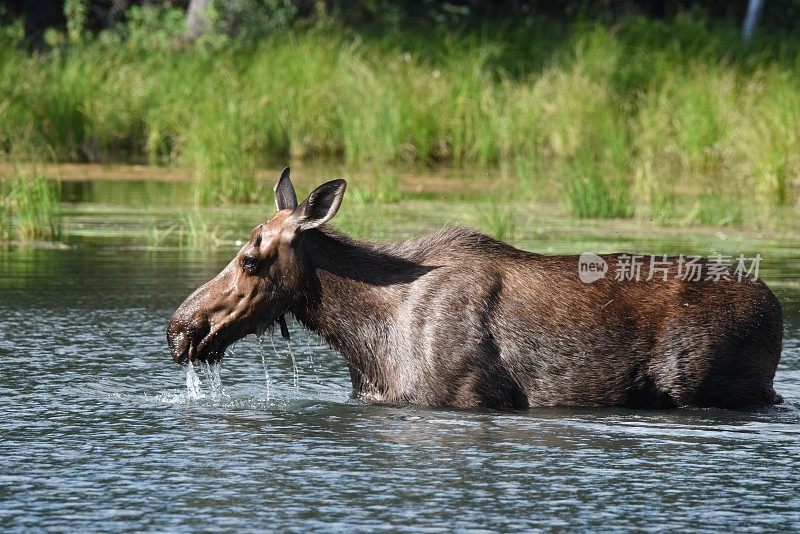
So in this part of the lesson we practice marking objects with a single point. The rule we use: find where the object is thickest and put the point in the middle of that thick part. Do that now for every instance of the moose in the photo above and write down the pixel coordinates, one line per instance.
(459, 319)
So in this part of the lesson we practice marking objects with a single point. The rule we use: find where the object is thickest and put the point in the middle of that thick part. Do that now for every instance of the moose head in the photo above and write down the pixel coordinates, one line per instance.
(258, 286)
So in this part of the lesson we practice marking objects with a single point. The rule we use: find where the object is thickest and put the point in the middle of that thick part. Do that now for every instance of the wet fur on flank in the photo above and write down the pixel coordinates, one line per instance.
(457, 318)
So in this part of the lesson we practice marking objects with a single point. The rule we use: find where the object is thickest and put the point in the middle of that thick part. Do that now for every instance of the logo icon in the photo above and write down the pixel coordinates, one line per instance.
(591, 267)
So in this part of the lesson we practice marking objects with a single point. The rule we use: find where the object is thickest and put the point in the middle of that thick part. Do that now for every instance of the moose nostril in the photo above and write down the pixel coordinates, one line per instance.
(179, 343)
(184, 333)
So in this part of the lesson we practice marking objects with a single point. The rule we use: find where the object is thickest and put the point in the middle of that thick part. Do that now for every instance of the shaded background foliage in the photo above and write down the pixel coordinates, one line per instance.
(263, 15)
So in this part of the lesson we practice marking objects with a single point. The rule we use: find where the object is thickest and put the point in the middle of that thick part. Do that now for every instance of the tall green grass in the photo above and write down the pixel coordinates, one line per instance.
(31, 200)
(590, 195)
(385, 189)
(197, 232)
(191, 230)
(5, 212)
(498, 221)
(588, 107)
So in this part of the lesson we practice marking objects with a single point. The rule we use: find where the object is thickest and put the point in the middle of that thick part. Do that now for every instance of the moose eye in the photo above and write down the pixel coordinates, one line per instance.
(249, 262)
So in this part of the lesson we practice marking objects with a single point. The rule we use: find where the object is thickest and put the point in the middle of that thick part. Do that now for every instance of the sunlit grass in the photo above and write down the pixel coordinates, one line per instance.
(498, 221)
(193, 230)
(528, 173)
(384, 189)
(681, 98)
(196, 232)
(714, 211)
(592, 195)
(29, 207)
(158, 237)
(5, 212)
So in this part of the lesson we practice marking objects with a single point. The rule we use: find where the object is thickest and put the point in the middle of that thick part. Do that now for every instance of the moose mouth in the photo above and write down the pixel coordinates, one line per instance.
(188, 343)
(186, 348)
(211, 349)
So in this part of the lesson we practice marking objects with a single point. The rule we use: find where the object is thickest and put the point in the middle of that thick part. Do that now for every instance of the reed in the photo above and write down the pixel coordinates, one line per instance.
(385, 189)
(196, 232)
(32, 200)
(498, 221)
(5, 212)
(598, 193)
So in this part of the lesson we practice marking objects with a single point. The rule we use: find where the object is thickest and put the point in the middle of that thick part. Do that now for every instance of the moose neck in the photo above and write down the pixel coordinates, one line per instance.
(352, 295)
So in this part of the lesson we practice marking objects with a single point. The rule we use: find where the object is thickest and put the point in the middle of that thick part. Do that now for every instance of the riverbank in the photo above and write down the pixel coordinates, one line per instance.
(160, 205)
(153, 208)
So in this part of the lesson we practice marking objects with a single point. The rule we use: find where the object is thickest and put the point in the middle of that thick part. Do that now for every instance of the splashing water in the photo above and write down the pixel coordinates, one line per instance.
(193, 384)
(212, 373)
(264, 363)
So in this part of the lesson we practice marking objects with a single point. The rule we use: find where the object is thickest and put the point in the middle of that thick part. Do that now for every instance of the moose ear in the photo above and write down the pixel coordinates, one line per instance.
(321, 205)
(285, 197)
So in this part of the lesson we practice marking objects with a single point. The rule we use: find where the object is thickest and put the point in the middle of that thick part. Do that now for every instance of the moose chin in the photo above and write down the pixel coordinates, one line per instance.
(459, 319)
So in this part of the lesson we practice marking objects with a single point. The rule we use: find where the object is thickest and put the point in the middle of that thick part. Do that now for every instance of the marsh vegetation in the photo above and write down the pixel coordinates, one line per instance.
(676, 120)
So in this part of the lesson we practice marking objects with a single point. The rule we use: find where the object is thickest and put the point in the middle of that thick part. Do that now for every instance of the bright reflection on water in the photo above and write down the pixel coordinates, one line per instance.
(98, 431)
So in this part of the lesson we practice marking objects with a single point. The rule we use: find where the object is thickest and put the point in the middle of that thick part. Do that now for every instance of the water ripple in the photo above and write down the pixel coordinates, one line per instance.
(99, 433)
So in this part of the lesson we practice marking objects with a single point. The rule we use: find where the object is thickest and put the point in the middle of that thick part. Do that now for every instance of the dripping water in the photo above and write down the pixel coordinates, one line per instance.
(308, 349)
(212, 374)
(193, 384)
(295, 372)
(264, 364)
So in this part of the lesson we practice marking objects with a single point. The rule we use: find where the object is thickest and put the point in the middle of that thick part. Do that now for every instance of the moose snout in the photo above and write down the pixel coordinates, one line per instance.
(185, 333)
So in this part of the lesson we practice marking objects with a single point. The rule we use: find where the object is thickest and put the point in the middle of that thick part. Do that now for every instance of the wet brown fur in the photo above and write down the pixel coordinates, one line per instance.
(457, 318)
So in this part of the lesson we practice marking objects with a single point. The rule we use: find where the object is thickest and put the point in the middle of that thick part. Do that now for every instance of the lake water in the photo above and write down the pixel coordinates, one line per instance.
(98, 431)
